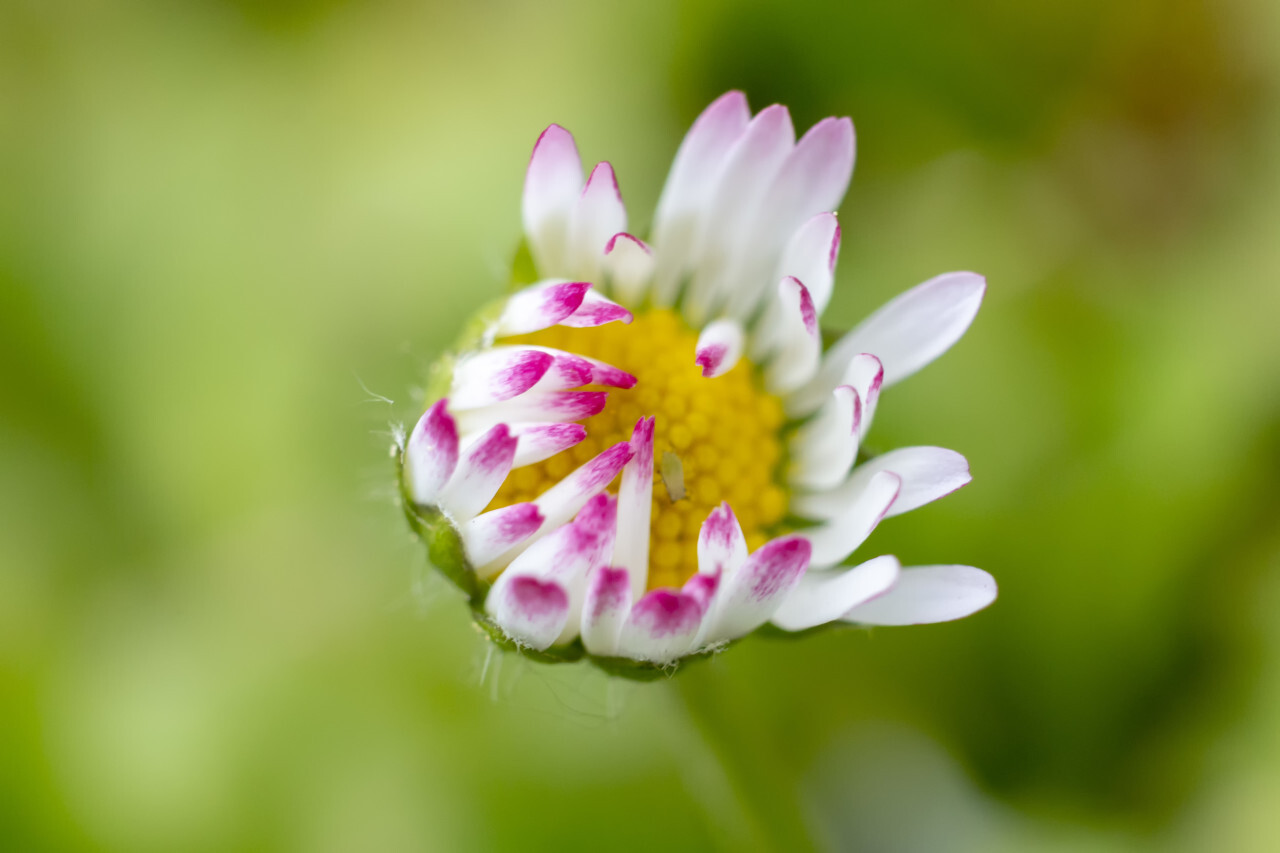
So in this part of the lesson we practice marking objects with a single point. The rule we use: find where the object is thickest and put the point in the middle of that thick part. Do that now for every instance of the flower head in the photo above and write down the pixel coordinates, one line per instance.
(646, 454)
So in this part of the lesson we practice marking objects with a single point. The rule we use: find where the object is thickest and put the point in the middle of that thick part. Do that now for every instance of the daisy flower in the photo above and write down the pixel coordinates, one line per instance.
(645, 453)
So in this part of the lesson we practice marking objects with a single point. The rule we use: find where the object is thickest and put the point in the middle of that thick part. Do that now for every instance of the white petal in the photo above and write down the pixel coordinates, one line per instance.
(635, 497)
(836, 539)
(822, 597)
(490, 534)
(812, 180)
(479, 474)
(493, 375)
(916, 327)
(431, 454)
(597, 215)
(540, 306)
(719, 347)
(811, 257)
(661, 626)
(605, 608)
(925, 594)
(816, 174)
(551, 189)
(692, 179)
(823, 450)
(628, 267)
(749, 169)
(749, 596)
(927, 473)
(800, 343)
(536, 442)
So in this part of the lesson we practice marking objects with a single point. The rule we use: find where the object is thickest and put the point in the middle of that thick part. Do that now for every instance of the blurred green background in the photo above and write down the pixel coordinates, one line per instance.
(227, 226)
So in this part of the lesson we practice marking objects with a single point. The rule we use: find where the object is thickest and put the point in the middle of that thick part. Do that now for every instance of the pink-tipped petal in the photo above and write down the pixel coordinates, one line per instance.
(719, 347)
(721, 546)
(599, 518)
(569, 370)
(866, 374)
(800, 344)
(927, 473)
(597, 215)
(635, 496)
(568, 554)
(491, 376)
(822, 597)
(563, 500)
(536, 442)
(607, 603)
(610, 376)
(531, 611)
(431, 454)
(480, 473)
(596, 310)
(750, 596)
(628, 267)
(836, 539)
(490, 534)
(823, 450)
(540, 306)
(702, 588)
(927, 594)
(566, 371)
(537, 406)
(551, 189)
(570, 550)
(693, 178)
(841, 366)
(811, 257)
(661, 627)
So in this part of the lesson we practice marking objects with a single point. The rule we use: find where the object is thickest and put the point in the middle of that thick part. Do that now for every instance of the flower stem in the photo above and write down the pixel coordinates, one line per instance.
(749, 753)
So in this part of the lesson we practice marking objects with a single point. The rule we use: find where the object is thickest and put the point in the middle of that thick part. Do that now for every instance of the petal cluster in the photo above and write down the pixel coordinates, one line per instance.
(744, 245)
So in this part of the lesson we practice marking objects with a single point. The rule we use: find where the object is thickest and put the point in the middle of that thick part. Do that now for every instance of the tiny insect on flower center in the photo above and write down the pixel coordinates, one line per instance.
(723, 435)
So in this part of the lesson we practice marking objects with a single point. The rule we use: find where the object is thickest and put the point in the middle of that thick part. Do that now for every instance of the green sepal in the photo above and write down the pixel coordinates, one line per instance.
(444, 545)
(556, 654)
(639, 670)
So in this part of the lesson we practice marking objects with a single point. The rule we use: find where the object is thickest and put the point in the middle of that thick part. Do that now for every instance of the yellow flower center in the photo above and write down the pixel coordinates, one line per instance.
(722, 435)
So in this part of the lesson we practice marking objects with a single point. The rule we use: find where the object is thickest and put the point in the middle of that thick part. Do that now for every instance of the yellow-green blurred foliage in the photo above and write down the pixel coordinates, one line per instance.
(221, 221)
